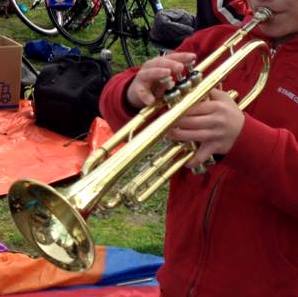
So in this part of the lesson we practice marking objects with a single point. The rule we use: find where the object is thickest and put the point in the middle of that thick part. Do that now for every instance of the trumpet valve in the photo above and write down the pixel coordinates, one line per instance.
(195, 77)
(172, 96)
(184, 86)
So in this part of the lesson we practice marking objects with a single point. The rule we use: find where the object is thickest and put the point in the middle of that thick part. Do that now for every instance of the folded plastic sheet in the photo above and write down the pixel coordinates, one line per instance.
(3, 248)
(117, 272)
(128, 291)
(29, 151)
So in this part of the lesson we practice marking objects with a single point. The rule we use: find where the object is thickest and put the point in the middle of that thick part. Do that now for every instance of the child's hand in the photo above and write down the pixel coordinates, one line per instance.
(147, 85)
(214, 124)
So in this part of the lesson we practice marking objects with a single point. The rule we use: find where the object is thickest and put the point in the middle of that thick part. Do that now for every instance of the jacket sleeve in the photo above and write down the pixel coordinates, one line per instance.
(270, 156)
(112, 99)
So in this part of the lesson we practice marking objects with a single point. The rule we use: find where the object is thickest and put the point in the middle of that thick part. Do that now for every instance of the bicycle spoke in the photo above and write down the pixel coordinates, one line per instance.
(135, 19)
(34, 14)
(83, 24)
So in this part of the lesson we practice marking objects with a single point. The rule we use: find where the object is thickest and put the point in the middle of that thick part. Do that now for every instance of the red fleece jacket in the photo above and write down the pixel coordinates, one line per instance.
(233, 231)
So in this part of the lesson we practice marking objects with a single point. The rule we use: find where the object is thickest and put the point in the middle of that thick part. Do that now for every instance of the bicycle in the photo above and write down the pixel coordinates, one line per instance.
(33, 13)
(126, 20)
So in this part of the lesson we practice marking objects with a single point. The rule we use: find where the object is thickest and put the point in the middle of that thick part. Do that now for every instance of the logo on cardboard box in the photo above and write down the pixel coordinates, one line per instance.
(5, 94)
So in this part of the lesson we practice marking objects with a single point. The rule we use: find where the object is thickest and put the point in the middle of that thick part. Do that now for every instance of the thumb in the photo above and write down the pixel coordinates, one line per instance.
(205, 150)
(216, 94)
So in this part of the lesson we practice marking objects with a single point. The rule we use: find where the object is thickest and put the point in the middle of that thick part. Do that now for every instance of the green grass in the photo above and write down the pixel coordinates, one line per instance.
(142, 230)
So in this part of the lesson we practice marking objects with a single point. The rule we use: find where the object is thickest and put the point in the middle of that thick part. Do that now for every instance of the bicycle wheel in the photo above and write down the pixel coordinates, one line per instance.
(135, 19)
(81, 24)
(34, 14)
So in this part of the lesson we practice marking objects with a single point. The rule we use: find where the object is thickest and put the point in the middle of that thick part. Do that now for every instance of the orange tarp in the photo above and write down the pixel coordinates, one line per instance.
(21, 273)
(29, 151)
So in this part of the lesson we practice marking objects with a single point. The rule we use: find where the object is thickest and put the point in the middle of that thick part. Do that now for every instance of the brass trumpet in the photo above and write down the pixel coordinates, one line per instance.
(54, 221)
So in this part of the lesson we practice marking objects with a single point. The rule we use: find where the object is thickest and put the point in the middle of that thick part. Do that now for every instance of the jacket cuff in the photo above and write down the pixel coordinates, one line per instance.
(112, 100)
(126, 109)
(253, 148)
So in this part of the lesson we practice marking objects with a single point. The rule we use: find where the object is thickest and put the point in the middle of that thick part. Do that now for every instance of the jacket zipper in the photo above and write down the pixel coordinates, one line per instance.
(205, 238)
(208, 212)
(274, 50)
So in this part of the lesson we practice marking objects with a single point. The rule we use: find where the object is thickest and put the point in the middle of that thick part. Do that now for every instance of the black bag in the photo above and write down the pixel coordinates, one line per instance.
(171, 27)
(66, 94)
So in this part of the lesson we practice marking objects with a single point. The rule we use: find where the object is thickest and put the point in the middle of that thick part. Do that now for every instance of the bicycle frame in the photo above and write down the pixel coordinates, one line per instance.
(114, 28)
(124, 20)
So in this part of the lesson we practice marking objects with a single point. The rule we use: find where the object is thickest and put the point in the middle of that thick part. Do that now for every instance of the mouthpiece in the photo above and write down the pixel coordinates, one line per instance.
(263, 14)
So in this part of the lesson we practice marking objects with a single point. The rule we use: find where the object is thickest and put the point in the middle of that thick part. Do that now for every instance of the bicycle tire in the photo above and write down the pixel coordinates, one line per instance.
(37, 21)
(135, 19)
(80, 35)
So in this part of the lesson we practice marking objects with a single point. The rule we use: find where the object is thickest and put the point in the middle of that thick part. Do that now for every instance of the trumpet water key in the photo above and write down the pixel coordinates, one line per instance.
(54, 221)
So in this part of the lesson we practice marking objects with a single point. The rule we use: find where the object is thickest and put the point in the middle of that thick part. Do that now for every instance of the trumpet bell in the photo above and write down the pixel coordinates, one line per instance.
(55, 228)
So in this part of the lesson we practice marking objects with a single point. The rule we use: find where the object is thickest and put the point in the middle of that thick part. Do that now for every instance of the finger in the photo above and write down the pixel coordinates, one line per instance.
(210, 104)
(202, 108)
(174, 66)
(195, 122)
(174, 61)
(154, 74)
(199, 135)
(216, 94)
(145, 84)
(203, 153)
(183, 57)
(160, 87)
(144, 95)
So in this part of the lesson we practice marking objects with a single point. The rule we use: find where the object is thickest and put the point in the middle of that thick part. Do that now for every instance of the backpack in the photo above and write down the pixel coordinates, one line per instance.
(66, 94)
(171, 26)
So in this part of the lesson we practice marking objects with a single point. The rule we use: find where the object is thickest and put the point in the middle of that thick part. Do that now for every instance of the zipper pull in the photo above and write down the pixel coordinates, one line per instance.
(273, 52)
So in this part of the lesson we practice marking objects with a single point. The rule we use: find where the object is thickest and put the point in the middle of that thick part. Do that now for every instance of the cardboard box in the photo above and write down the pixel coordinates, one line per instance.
(10, 72)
